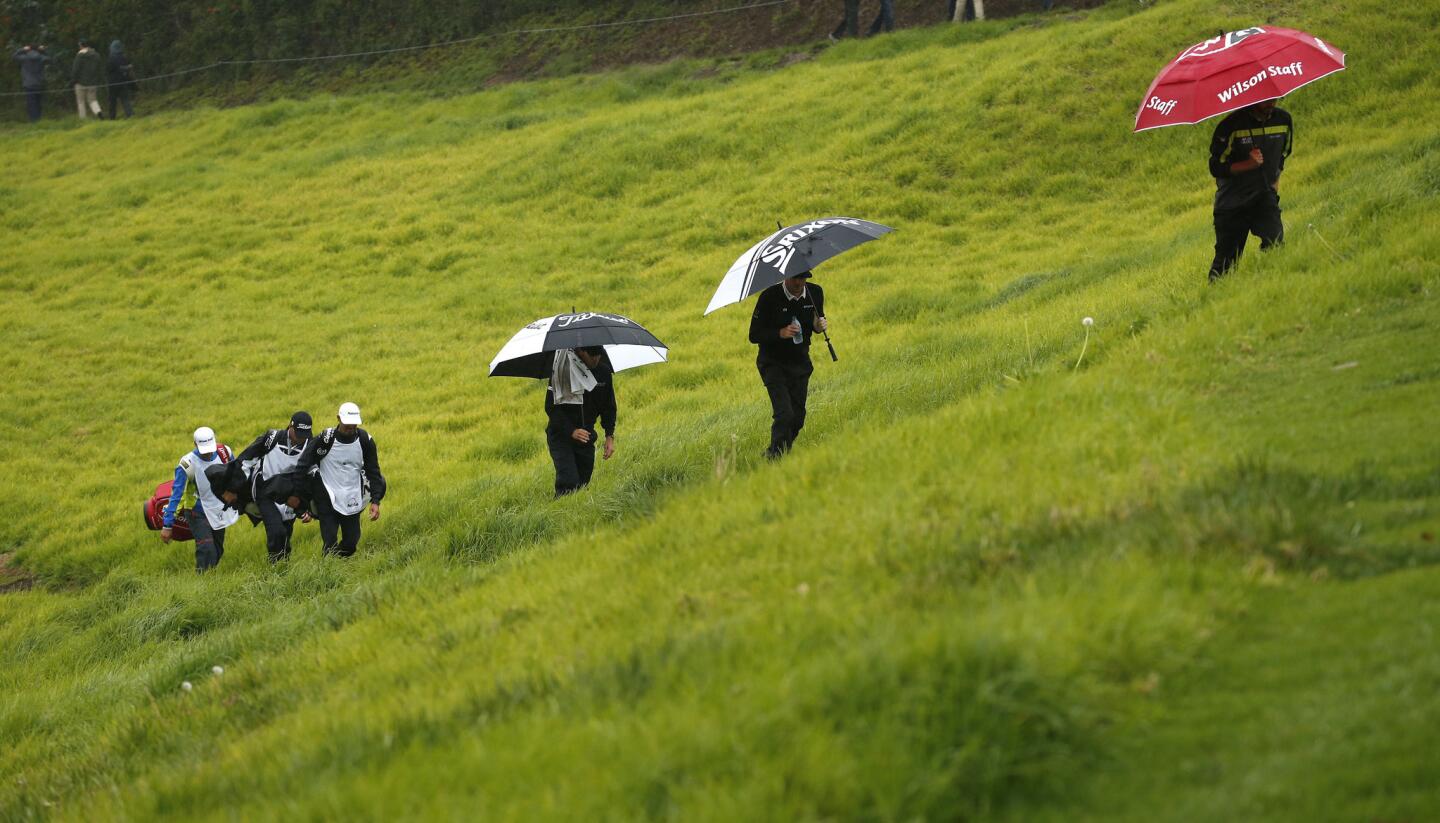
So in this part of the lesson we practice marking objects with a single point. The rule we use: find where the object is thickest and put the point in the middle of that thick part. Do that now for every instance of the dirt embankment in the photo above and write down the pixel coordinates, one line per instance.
(797, 23)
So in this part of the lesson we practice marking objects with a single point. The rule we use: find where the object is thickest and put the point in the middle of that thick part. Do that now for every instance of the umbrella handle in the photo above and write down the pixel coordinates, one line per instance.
(834, 358)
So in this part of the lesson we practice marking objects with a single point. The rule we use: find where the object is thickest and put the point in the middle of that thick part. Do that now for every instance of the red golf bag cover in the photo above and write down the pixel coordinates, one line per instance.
(155, 514)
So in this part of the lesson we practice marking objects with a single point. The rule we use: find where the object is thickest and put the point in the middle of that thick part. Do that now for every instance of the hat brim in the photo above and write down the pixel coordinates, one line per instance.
(350, 419)
(207, 447)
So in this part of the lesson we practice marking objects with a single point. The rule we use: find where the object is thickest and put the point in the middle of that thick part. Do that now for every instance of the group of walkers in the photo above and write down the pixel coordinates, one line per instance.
(290, 474)
(284, 475)
(88, 74)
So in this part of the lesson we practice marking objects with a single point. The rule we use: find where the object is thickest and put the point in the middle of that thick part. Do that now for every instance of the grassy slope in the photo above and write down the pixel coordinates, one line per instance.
(986, 583)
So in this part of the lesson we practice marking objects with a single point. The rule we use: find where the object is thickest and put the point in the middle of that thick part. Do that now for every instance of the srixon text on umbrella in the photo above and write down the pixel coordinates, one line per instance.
(1297, 69)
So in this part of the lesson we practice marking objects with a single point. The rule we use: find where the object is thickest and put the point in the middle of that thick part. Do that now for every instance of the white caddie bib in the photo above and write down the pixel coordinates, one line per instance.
(343, 473)
(276, 462)
(215, 511)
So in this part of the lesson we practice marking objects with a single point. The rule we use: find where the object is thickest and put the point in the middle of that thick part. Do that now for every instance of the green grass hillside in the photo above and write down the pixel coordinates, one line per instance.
(1191, 576)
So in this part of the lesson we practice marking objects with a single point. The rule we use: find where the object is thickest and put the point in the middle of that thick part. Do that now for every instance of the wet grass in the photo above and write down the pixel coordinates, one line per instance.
(977, 589)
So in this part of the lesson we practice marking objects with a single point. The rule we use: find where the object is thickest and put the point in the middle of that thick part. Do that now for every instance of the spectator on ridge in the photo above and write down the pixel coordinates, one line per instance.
(121, 77)
(32, 60)
(88, 75)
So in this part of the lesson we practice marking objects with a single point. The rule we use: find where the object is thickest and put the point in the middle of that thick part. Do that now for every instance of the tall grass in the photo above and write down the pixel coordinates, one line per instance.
(958, 598)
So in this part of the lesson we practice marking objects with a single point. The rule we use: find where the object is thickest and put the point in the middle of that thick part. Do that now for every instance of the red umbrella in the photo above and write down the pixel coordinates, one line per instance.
(1235, 70)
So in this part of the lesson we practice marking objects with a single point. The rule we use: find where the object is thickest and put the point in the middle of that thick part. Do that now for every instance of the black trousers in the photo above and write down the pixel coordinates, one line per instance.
(209, 542)
(33, 101)
(850, 23)
(278, 530)
(574, 461)
(788, 385)
(333, 523)
(124, 95)
(1233, 227)
(885, 19)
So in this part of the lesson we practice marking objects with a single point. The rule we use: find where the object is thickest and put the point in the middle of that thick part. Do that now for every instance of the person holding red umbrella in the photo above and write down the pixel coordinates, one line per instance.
(1241, 74)
(1247, 155)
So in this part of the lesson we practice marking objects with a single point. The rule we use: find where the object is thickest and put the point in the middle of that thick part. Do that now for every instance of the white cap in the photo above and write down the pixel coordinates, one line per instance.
(349, 413)
(205, 440)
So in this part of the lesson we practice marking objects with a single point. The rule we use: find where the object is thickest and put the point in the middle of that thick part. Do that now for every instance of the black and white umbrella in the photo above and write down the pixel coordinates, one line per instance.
(530, 352)
(788, 252)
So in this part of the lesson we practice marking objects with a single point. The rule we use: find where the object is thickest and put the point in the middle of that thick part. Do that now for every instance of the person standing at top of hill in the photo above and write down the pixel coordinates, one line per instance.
(581, 390)
(786, 315)
(88, 74)
(1247, 155)
(850, 23)
(348, 464)
(121, 76)
(278, 452)
(885, 18)
(204, 510)
(970, 10)
(32, 60)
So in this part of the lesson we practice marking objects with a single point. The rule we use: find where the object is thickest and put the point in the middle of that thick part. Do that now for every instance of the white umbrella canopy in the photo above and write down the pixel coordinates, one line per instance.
(790, 251)
(529, 353)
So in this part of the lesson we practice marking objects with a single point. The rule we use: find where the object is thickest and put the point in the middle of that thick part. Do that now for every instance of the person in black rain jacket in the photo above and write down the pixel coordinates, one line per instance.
(581, 391)
(1247, 155)
(786, 316)
(348, 467)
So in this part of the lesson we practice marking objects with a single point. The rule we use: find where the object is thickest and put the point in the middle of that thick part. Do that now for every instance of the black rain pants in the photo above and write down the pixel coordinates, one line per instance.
(1233, 227)
(788, 385)
(278, 530)
(574, 461)
(333, 523)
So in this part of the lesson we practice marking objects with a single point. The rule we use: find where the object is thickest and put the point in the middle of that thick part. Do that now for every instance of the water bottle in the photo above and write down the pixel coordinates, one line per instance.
(799, 335)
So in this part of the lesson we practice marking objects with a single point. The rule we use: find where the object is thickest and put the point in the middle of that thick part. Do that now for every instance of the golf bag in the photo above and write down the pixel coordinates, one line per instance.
(154, 510)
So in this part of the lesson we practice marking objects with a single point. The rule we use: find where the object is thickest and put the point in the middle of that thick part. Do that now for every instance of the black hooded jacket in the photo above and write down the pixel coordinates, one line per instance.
(1236, 135)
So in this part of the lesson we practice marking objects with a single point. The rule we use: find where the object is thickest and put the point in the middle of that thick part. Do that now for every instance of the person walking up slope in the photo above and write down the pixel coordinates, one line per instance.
(786, 315)
(278, 451)
(1247, 155)
(348, 465)
(581, 390)
(206, 513)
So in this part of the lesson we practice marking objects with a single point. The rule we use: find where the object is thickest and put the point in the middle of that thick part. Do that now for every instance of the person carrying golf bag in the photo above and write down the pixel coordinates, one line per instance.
(277, 452)
(348, 467)
(206, 513)
(581, 390)
(786, 315)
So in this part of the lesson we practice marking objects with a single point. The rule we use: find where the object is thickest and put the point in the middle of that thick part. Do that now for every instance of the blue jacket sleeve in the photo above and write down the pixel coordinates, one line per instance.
(177, 491)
